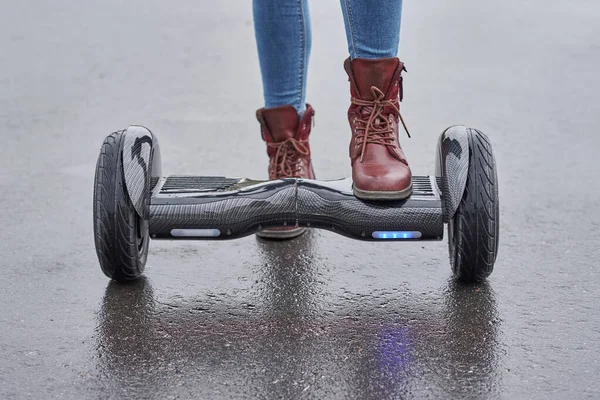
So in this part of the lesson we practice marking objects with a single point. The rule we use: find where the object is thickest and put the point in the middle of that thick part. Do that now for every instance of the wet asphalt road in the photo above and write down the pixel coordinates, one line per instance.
(322, 316)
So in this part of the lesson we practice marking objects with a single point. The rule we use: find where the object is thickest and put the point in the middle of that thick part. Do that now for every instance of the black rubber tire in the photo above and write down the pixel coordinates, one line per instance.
(121, 236)
(473, 231)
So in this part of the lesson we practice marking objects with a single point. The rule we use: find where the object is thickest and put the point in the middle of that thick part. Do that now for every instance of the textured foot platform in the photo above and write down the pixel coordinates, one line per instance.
(191, 207)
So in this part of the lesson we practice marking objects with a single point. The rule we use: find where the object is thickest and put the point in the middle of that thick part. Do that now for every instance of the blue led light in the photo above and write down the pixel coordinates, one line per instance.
(397, 235)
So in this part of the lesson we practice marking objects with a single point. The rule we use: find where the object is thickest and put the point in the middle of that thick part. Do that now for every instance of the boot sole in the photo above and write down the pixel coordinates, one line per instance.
(280, 234)
(383, 194)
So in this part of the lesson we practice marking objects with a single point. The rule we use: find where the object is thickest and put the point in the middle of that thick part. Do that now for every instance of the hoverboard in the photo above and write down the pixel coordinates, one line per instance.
(134, 203)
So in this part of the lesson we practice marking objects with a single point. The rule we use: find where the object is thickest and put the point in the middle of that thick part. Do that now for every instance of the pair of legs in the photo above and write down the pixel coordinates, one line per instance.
(283, 36)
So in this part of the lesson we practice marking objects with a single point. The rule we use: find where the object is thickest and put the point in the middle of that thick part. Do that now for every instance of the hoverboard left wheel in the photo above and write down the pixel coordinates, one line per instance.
(121, 235)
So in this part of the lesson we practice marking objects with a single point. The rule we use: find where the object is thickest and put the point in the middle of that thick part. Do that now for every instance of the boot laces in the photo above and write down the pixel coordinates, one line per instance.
(288, 157)
(377, 127)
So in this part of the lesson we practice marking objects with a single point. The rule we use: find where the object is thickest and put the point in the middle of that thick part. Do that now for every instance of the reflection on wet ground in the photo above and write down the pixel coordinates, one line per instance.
(291, 341)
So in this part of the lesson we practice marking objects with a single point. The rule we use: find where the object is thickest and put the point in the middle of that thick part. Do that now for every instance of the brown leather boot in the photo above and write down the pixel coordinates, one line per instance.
(286, 135)
(379, 168)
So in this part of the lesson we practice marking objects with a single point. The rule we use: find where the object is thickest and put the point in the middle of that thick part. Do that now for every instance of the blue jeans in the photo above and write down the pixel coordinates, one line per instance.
(283, 38)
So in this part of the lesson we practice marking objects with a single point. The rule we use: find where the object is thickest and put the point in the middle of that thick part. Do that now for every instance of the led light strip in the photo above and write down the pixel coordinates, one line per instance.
(397, 235)
(195, 232)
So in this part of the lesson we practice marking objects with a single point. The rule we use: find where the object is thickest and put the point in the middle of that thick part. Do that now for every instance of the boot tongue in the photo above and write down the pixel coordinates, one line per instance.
(282, 122)
(369, 72)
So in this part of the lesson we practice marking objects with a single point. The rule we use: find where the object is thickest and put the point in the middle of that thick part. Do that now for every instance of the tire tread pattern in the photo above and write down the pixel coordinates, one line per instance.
(474, 230)
(115, 224)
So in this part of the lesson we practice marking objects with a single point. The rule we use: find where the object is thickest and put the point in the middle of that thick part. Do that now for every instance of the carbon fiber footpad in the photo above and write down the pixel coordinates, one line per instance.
(360, 219)
(422, 186)
(225, 208)
(329, 207)
(232, 217)
(182, 184)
